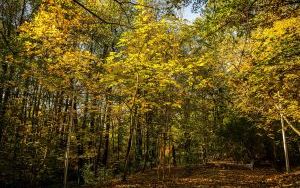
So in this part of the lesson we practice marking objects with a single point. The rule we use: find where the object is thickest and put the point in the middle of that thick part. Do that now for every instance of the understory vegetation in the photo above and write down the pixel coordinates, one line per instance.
(97, 90)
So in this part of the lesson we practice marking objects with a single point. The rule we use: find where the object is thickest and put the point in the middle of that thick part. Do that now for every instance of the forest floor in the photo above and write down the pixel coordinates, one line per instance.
(211, 176)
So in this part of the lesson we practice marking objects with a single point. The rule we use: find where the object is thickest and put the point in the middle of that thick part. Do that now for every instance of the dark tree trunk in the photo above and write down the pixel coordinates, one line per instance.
(80, 148)
(129, 143)
(139, 143)
(106, 136)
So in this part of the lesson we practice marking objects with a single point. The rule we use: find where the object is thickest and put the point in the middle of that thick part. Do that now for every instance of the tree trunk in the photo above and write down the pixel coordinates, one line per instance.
(80, 147)
(127, 157)
(147, 143)
(119, 139)
(174, 156)
(99, 130)
(106, 136)
(139, 151)
(286, 155)
(68, 144)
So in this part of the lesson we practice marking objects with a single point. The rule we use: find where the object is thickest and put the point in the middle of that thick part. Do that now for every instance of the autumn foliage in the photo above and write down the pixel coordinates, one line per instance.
(94, 91)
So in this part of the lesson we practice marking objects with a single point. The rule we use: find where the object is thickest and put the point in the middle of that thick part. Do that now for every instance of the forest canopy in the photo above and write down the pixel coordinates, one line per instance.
(96, 89)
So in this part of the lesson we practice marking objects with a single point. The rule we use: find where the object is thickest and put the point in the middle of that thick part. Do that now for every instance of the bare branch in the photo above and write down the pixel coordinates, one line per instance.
(7, 43)
(289, 123)
(132, 3)
(95, 15)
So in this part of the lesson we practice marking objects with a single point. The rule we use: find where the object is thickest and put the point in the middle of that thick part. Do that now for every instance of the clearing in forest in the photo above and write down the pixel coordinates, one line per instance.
(211, 176)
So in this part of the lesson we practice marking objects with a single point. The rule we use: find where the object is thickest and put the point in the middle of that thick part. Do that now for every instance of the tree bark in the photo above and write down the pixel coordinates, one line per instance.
(68, 144)
(106, 136)
(127, 157)
(139, 142)
(286, 155)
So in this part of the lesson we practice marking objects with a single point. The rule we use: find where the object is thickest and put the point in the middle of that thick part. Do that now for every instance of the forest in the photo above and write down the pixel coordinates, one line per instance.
(128, 93)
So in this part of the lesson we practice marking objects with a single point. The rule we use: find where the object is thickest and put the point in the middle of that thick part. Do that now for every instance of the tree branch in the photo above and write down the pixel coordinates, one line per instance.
(95, 15)
(7, 43)
(132, 3)
(289, 123)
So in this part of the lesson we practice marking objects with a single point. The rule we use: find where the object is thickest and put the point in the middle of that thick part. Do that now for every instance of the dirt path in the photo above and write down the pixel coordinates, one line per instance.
(211, 176)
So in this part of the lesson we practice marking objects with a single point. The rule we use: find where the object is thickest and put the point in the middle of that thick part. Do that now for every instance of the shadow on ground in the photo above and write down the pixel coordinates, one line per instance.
(210, 176)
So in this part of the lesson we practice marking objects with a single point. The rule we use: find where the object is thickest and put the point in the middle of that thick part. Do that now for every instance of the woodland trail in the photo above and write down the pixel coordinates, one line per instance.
(211, 176)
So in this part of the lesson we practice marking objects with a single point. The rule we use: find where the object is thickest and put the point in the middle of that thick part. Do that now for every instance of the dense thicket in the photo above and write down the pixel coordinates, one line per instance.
(92, 89)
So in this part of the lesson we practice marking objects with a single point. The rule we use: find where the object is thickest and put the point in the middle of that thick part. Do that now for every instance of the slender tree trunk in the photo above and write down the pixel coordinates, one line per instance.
(139, 142)
(127, 156)
(103, 117)
(106, 136)
(113, 135)
(286, 155)
(164, 155)
(119, 139)
(174, 156)
(80, 148)
(5, 93)
(68, 144)
(64, 121)
(3, 111)
(146, 154)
